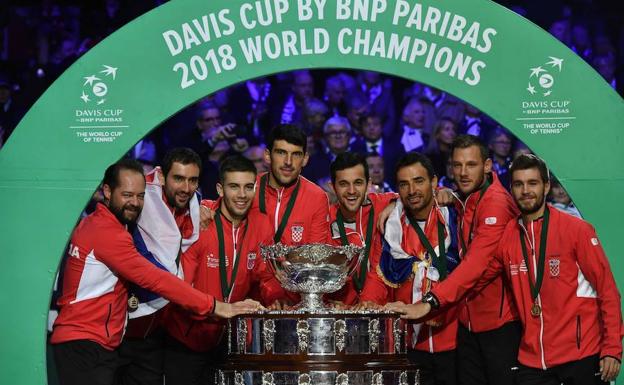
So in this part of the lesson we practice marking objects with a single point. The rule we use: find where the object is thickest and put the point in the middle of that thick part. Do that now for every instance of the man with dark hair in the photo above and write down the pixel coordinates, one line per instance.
(229, 248)
(168, 225)
(489, 334)
(101, 262)
(298, 208)
(352, 220)
(500, 144)
(420, 250)
(563, 288)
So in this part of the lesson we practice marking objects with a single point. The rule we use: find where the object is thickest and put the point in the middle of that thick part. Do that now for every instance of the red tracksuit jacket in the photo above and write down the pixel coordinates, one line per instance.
(490, 307)
(201, 268)
(356, 234)
(309, 216)
(579, 298)
(101, 260)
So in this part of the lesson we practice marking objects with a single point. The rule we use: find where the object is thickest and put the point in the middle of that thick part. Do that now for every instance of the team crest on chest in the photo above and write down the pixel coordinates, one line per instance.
(553, 264)
(296, 233)
(251, 260)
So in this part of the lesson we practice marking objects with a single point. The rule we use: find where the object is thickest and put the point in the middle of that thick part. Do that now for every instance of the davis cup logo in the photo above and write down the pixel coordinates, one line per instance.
(296, 233)
(251, 260)
(554, 267)
(541, 77)
(95, 88)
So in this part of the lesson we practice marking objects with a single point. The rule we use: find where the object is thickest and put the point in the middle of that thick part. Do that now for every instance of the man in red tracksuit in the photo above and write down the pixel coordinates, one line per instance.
(167, 226)
(101, 261)
(419, 252)
(489, 333)
(298, 209)
(564, 290)
(353, 219)
(223, 263)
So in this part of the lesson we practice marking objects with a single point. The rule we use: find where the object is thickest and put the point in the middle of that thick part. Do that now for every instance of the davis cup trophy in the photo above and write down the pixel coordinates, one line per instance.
(314, 344)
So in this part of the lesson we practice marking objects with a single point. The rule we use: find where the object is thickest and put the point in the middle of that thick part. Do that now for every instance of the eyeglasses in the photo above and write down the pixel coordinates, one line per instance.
(337, 134)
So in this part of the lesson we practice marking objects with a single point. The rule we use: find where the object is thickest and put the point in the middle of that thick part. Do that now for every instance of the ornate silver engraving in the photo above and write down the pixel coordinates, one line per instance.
(238, 378)
(373, 334)
(268, 332)
(221, 377)
(229, 337)
(396, 330)
(377, 379)
(267, 378)
(241, 334)
(340, 330)
(417, 377)
(343, 379)
(403, 378)
(304, 379)
(303, 335)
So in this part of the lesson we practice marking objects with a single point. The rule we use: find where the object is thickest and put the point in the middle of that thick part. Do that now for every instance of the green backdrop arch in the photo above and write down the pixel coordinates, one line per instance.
(185, 49)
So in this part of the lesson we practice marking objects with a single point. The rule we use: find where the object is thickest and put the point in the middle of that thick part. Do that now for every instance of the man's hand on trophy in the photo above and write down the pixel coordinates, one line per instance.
(414, 311)
(229, 310)
(337, 305)
(383, 217)
(206, 215)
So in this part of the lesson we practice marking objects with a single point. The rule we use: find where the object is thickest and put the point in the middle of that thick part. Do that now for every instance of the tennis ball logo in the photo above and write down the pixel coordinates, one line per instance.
(94, 86)
(546, 81)
(100, 89)
(544, 77)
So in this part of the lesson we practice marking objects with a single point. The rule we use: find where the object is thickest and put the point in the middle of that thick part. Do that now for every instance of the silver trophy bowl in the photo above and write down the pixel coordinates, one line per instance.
(312, 270)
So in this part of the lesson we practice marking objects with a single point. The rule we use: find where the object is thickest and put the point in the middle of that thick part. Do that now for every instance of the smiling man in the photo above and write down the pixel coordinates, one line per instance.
(225, 262)
(563, 288)
(352, 221)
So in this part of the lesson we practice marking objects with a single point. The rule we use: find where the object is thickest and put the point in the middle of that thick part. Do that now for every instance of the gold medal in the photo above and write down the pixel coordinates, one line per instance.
(133, 303)
(536, 310)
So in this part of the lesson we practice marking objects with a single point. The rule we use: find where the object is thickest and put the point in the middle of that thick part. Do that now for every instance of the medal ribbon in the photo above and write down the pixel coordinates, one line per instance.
(439, 261)
(359, 277)
(291, 203)
(486, 185)
(226, 287)
(535, 288)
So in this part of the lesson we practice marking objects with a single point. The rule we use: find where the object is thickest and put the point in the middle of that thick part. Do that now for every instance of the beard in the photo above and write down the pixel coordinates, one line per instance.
(126, 214)
(528, 210)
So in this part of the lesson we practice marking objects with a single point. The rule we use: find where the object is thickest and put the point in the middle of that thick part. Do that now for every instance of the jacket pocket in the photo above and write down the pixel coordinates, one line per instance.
(108, 320)
(578, 332)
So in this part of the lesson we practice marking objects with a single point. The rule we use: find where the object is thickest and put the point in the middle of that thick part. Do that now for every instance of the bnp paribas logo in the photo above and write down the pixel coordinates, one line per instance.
(542, 79)
(96, 86)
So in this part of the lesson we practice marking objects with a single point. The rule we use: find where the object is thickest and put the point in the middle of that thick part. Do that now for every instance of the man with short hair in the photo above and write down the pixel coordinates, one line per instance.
(560, 278)
(352, 220)
(101, 262)
(167, 226)
(223, 263)
(337, 135)
(298, 209)
(376, 166)
(500, 145)
(489, 333)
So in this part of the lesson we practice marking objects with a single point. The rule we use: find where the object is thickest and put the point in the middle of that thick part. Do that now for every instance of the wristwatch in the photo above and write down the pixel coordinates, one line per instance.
(431, 299)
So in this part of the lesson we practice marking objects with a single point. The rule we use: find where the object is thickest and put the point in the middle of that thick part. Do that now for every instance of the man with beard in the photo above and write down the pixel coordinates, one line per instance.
(167, 226)
(225, 262)
(101, 262)
(420, 250)
(352, 221)
(298, 209)
(560, 278)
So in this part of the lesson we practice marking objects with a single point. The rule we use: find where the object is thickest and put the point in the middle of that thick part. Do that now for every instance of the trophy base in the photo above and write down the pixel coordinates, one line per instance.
(311, 302)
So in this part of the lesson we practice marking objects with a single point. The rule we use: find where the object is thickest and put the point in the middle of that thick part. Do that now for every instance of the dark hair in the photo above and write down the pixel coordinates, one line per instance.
(411, 158)
(373, 154)
(348, 160)
(182, 155)
(111, 175)
(199, 111)
(371, 115)
(528, 161)
(466, 141)
(290, 133)
(498, 131)
(235, 163)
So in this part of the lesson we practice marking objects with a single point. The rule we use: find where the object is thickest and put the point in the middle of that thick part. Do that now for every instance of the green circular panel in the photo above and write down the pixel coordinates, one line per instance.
(185, 49)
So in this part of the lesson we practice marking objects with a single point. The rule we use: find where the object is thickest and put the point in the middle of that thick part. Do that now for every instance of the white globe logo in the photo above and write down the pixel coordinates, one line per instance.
(100, 89)
(546, 81)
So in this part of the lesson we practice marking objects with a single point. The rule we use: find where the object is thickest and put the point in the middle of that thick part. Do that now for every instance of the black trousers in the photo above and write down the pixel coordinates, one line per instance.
(585, 371)
(488, 358)
(84, 362)
(435, 368)
(184, 366)
(141, 359)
